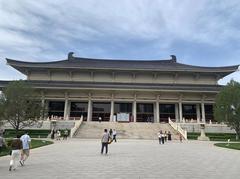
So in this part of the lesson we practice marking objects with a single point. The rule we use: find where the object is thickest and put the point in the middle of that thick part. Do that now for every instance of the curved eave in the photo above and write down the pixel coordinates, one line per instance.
(121, 65)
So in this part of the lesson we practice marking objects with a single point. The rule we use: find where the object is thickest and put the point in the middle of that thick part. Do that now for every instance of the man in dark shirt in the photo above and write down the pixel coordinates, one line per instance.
(105, 140)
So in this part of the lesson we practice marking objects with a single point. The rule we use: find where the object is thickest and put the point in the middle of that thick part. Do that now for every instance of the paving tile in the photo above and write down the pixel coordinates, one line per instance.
(127, 159)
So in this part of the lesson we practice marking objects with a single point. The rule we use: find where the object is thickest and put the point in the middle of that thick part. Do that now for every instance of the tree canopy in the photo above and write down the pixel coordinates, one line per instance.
(19, 105)
(1, 120)
(227, 108)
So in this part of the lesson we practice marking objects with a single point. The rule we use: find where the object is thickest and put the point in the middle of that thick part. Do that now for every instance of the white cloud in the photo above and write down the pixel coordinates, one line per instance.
(47, 30)
(234, 76)
(141, 19)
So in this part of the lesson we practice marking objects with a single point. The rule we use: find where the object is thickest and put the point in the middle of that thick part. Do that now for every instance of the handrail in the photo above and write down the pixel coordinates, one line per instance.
(76, 127)
(178, 128)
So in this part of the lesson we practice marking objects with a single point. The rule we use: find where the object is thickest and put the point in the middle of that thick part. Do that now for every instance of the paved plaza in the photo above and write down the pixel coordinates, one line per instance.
(127, 159)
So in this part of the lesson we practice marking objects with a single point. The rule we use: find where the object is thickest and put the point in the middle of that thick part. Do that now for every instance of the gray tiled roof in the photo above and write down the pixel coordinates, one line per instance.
(121, 86)
(133, 65)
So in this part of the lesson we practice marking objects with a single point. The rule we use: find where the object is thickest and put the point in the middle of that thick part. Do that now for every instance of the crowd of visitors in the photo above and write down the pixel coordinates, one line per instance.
(20, 150)
(57, 134)
(164, 137)
(107, 138)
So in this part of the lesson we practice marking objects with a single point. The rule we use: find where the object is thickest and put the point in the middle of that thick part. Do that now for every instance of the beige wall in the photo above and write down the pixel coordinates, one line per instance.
(81, 76)
(164, 78)
(124, 77)
(59, 76)
(124, 95)
(144, 78)
(38, 75)
(102, 77)
(118, 95)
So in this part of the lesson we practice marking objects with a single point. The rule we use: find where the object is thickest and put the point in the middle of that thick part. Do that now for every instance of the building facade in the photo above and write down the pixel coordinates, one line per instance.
(130, 90)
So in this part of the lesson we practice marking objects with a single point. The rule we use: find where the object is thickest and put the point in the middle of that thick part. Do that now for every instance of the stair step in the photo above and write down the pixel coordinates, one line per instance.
(124, 130)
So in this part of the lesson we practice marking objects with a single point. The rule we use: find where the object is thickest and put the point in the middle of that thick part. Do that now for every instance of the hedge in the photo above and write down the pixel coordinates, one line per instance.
(33, 133)
(213, 136)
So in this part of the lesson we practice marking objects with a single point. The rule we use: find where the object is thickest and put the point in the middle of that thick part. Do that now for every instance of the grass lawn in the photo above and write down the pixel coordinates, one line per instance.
(235, 146)
(34, 144)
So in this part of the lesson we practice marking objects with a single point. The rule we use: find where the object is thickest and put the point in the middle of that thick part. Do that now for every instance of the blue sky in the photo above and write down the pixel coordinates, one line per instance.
(203, 33)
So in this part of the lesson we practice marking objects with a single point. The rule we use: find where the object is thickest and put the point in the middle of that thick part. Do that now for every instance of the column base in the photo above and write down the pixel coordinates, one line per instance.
(203, 138)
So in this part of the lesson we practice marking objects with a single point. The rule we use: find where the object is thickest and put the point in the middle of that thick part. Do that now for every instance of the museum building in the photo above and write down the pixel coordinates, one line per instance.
(139, 90)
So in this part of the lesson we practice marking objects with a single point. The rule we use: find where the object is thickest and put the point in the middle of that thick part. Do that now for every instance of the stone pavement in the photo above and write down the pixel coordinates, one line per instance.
(128, 159)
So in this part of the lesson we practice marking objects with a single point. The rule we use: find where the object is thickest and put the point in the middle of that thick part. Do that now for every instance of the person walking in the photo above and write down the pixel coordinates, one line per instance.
(65, 134)
(100, 119)
(159, 137)
(110, 133)
(180, 137)
(52, 134)
(169, 136)
(165, 136)
(58, 135)
(16, 148)
(115, 135)
(26, 142)
(162, 137)
(104, 141)
(2, 143)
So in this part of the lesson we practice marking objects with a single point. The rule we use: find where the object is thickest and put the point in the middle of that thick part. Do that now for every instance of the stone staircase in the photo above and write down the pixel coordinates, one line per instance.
(94, 130)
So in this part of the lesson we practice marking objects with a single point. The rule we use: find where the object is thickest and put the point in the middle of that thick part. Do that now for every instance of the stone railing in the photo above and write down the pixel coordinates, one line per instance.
(76, 127)
(56, 118)
(178, 128)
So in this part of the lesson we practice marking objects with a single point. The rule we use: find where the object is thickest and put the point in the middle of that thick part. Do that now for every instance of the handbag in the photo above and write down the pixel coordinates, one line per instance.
(110, 140)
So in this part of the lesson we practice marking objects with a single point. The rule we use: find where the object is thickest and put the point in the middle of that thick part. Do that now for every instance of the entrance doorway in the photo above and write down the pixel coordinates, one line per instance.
(209, 113)
(101, 109)
(189, 112)
(166, 111)
(123, 107)
(145, 112)
(56, 108)
(79, 109)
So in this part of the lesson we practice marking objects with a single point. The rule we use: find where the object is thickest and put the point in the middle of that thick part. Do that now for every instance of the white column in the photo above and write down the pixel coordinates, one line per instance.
(176, 113)
(134, 111)
(112, 110)
(203, 112)
(66, 109)
(157, 112)
(198, 113)
(180, 111)
(43, 105)
(89, 114)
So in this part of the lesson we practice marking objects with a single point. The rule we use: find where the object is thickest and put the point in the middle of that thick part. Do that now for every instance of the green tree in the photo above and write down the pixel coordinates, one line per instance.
(227, 108)
(19, 105)
(1, 120)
